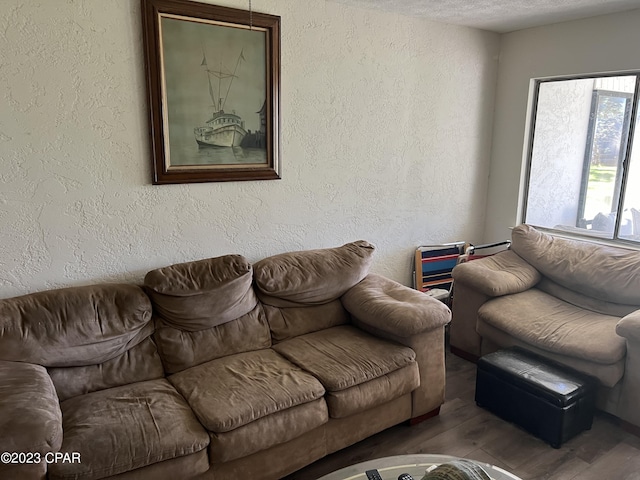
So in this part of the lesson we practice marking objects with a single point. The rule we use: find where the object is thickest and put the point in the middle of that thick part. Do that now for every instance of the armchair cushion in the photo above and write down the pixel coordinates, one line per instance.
(501, 274)
(312, 277)
(598, 271)
(583, 301)
(393, 308)
(556, 326)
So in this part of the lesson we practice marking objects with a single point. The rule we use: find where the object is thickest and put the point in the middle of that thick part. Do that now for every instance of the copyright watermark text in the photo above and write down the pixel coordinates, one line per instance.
(36, 457)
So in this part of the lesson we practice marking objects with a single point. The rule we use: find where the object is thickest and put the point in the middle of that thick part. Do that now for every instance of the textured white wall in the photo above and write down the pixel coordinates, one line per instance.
(599, 44)
(386, 129)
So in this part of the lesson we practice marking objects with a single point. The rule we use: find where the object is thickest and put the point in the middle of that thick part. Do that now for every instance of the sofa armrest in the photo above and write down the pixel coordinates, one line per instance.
(504, 273)
(627, 408)
(30, 417)
(477, 282)
(392, 311)
(393, 308)
(629, 327)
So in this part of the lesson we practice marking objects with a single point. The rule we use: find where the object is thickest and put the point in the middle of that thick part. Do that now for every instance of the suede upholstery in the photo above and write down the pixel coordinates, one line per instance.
(607, 373)
(583, 301)
(292, 322)
(137, 425)
(74, 326)
(102, 369)
(357, 370)
(210, 372)
(341, 357)
(267, 432)
(30, 416)
(380, 390)
(572, 301)
(498, 275)
(597, 271)
(137, 364)
(559, 328)
(199, 295)
(181, 349)
(556, 326)
(312, 277)
(247, 387)
(629, 327)
(392, 308)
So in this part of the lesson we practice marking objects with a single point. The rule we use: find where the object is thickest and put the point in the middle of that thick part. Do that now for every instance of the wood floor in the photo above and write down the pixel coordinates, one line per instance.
(606, 452)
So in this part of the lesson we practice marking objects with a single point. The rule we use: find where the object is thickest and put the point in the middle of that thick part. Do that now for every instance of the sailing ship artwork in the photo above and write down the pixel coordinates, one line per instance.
(223, 129)
(216, 94)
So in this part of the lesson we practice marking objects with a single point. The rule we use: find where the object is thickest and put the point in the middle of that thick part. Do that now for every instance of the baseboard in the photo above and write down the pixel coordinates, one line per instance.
(629, 427)
(433, 413)
(462, 354)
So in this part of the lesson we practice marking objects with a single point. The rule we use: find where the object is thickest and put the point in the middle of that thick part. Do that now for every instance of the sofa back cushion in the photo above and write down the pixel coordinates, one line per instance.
(90, 338)
(205, 310)
(606, 273)
(312, 277)
(74, 326)
(181, 349)
(138, 364)
(291, 322)
(583, 301)
(199, 295)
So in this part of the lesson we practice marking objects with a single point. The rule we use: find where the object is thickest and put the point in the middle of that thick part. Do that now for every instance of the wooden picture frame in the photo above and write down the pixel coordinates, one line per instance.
(213, 84)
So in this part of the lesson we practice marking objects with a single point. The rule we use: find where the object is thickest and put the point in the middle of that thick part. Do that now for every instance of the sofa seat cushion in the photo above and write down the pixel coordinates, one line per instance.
(127, 427)
(550, 324)
(269, 431)
(233, 391)
(383, 389)
(344, 357)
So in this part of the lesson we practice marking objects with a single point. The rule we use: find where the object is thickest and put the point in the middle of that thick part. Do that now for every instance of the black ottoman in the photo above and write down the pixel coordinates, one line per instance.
(545, 398)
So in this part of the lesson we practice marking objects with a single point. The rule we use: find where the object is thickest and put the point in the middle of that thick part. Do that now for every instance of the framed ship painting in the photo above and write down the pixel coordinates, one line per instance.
(213, 80)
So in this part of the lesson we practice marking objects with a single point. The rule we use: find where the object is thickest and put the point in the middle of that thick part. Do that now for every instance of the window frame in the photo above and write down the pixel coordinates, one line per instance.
(588, 152)
(624, 163)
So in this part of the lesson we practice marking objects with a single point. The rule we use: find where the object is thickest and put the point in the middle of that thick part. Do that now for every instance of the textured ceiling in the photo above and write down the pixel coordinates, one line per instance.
(499, 15)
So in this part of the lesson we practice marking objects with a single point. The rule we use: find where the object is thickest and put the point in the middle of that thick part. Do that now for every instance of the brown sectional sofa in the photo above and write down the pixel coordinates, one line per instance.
(215, 369)
(575, 302)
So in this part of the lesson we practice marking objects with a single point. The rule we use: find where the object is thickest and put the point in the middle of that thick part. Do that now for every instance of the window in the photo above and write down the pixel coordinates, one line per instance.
(584, 157)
